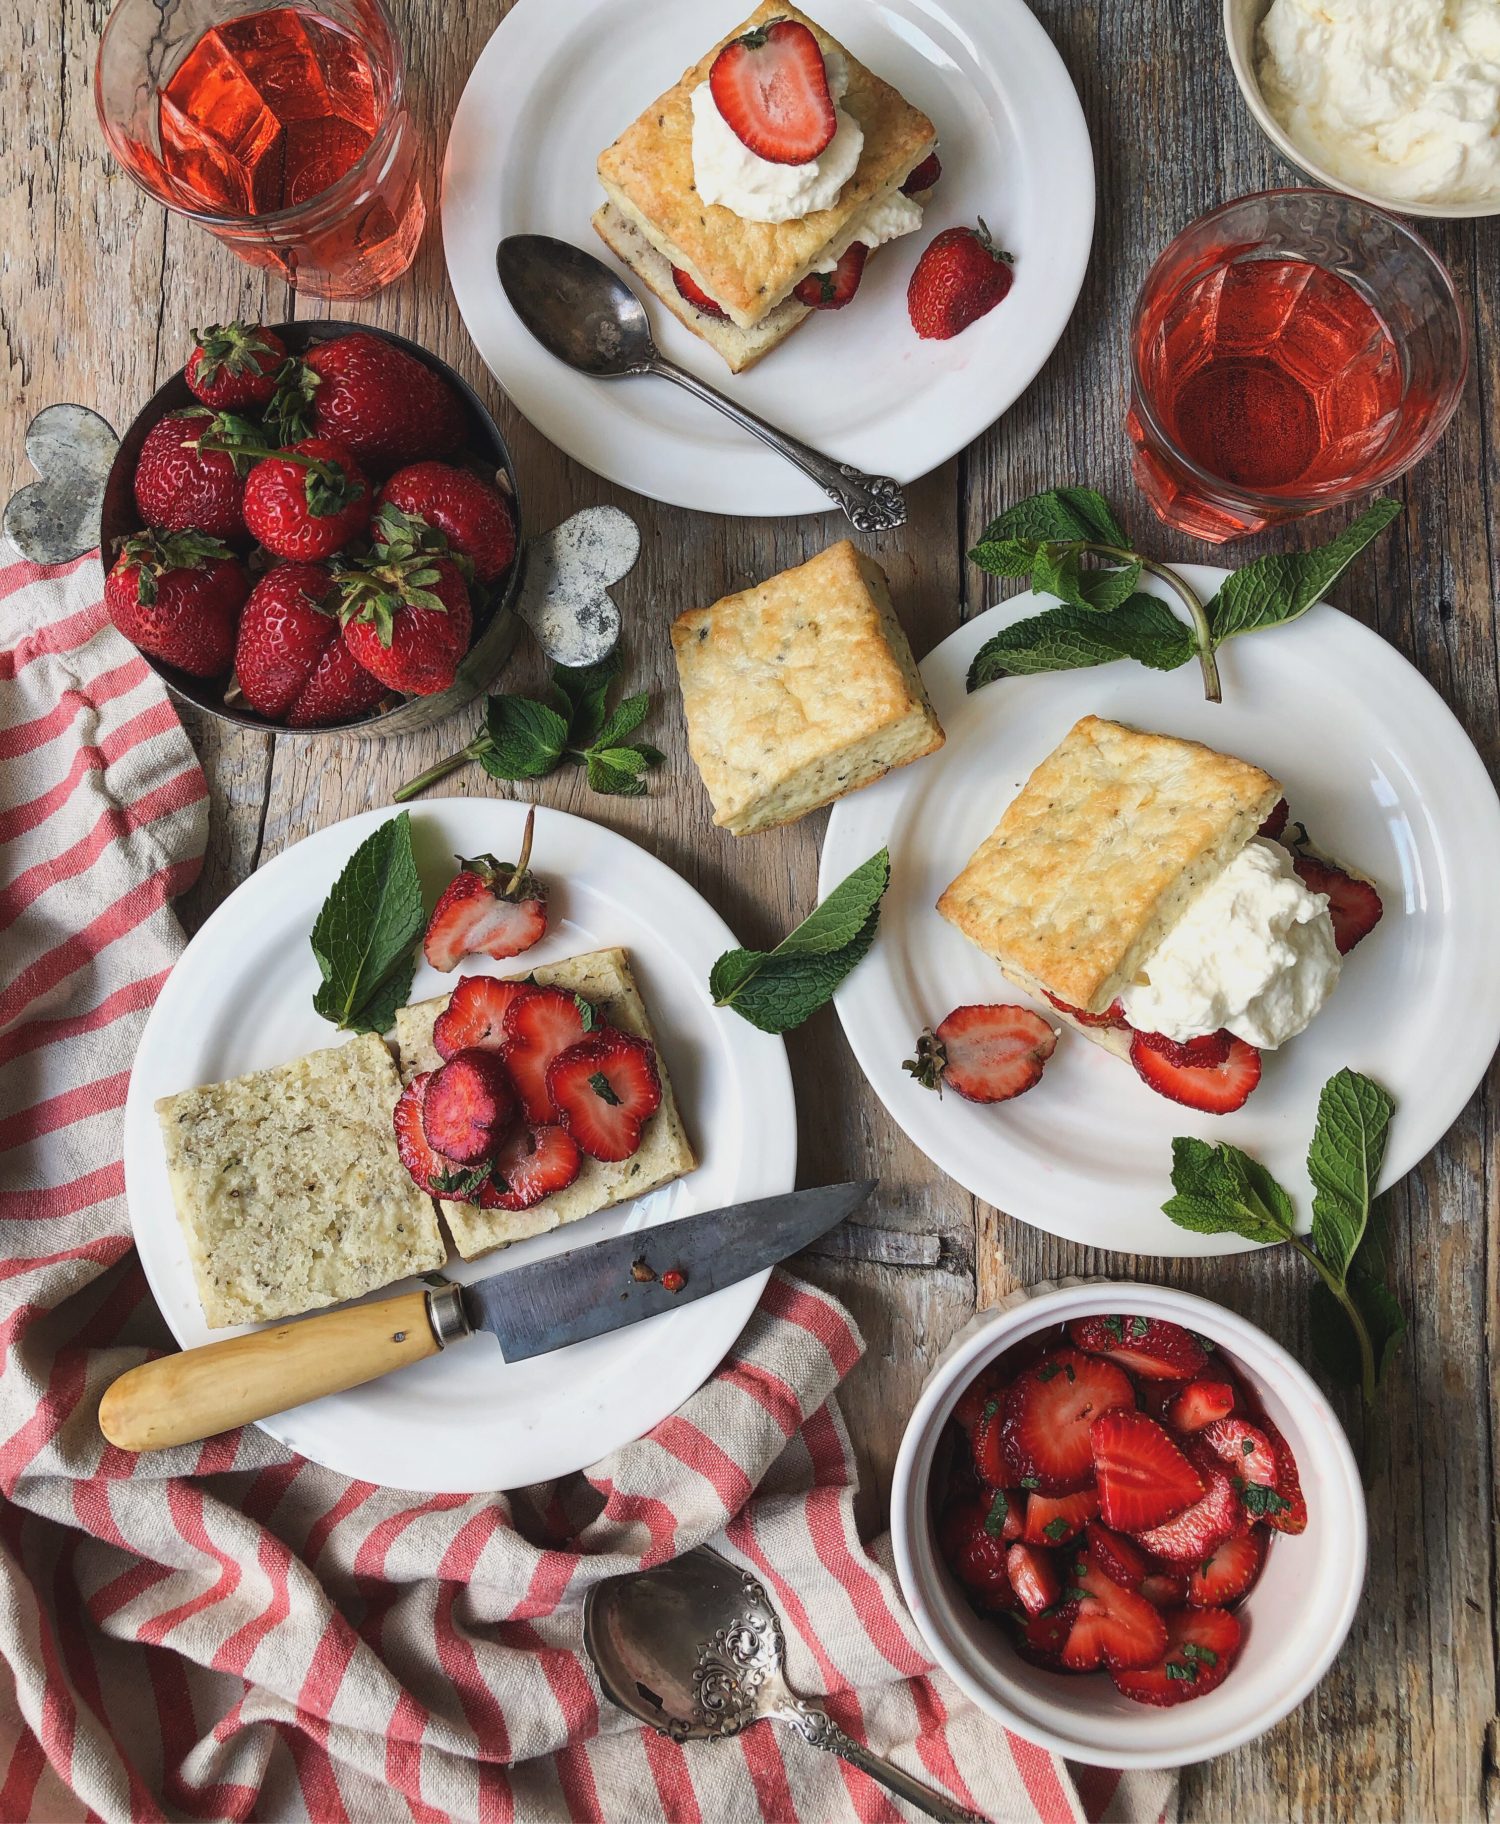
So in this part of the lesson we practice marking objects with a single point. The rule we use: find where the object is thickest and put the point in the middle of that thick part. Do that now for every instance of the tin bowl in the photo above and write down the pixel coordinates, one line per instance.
(496, 624)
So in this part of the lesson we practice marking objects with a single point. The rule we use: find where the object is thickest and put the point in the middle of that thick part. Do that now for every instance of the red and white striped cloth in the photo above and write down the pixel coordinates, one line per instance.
(233, 1632)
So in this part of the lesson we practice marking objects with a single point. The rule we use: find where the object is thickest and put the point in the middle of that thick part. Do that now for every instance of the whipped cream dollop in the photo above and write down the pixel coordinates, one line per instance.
(884, 219)
(1254, 952)
(726, 171)
(1397, 97)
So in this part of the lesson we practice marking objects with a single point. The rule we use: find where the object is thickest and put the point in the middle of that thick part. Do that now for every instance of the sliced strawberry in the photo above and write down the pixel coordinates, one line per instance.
(1144, 1478)
(924, 177)
(975, 1555)
(688, 288)
(1033, 1578)
(1113, 1016)
(1120, 1561)
(532, 1163)
(986, 1053)
(1192, 1534)
(606, 1089)
(412, 1145)
(1215, 1090)
(1057, 1519)
(1273, 826)
(1289, 1513)
(1004, 1511)
(1353, 905)
(1200, 1403)
(1228, 1571)
(474, 1019)
(1165, 1589)
(985, 1389)
(1042, 1640)
(1243, 1449)
(1201, 1648)
(468, 1105)
(1114, 1626)
(1208, 1049)
(1149, 1347)
(771, 87)
(833, 290)
(1048, 1413)
(987, 1443)
(538, 1025)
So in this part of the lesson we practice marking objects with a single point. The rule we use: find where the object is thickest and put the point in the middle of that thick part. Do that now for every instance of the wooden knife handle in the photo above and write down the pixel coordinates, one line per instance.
(181, 1398)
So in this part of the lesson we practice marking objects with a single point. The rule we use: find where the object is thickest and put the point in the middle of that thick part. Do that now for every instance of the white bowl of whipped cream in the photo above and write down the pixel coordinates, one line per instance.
(1393, 101)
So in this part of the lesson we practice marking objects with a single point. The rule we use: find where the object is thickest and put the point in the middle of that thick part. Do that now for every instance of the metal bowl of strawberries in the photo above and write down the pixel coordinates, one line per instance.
(314, 526)
(1128, 1523)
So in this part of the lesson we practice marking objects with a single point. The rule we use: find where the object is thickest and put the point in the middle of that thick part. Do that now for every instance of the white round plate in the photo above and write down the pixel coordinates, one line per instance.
(1381, 773)
(560, 79)
(240, 999)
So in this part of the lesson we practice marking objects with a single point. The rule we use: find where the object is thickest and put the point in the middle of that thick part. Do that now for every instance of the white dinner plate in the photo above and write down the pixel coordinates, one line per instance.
(1376, 766)
(560, 79)
(241, 998)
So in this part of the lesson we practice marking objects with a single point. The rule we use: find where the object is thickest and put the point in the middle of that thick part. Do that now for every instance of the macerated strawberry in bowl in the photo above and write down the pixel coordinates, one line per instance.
(1128, 1523)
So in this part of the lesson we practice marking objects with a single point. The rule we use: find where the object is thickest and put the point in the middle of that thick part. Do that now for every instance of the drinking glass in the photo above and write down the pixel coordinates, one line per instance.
(281, 128)
(1290, 351)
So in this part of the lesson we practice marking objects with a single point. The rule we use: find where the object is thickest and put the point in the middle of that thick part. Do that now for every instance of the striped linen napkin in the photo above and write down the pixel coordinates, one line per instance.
(230, 1631)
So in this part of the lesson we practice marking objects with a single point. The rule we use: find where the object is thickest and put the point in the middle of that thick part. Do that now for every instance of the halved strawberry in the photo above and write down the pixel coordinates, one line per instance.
(1243, 1449)
(833, 290)
(1149, 1347)
(1165, 1589)
(1276, 822)
(538, 1025)
(1120, 1561)
(1114, 1626)
(474, 1019)
(1206, 1050)
(532, 1163)
(924, 177)
(1057, 1519)
(975, 1555)
(1228, 1571)
(1200, 1403)
(1353, 905)
(1114, 1015)
(605, 1090)
(771, 87)
(414, 1149)
(687, 287)
(1048, 1413)
(1289, 1514)
(1201, 1648)
(1144, 1478)
(1192, 1534)
(986, 1053)
(468, 1105)
(1033, 1577)
(490, 907)
(1215, 1090)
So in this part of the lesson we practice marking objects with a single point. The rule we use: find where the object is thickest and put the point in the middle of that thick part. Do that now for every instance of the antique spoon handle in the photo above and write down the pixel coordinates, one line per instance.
(818, 1727)
(874, 503)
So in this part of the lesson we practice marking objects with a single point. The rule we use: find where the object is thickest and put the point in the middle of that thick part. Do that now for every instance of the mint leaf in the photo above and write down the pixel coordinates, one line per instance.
(1059, 516)
(1333, 1336)
(365, 933)
(582, 692)
(784, 991)
(1223, 1191)
(618, 771)
(1058, 570)
(1068, 639)
(624, 720)
(1277, 589)
(525, 740)
(1348, 1144)
(842, 916)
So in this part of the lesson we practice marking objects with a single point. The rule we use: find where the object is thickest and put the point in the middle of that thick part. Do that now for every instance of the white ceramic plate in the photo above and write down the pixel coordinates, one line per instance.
(1374, 764)
(241, 999)
(561, 79)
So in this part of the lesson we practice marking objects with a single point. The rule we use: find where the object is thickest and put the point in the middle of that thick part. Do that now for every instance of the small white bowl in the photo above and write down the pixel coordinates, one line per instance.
(1241, 25)
(1296, 1616)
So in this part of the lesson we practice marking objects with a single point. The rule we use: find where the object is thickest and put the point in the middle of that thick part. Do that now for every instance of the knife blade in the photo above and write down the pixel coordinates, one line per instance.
(589, 1290)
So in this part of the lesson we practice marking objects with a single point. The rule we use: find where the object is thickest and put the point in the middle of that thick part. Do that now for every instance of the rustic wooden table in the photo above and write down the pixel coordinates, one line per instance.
(98, 289)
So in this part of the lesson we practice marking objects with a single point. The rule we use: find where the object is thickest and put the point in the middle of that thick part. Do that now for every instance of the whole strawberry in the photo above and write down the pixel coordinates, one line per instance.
(234, 365)
(190, 474)
(471, 514)
(291, 659)
(383, 404)
(960, 277)
(406, 610)
(177, 596)
(307, 501)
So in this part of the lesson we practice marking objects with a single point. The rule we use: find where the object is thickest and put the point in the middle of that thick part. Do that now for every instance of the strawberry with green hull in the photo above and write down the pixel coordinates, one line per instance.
(406, 610)
(291, 660)
(771, 87)
(474, 1019)
(960, 277)
(233, 366)
(469, 512)
(307, 501)
(178, 595)
(190, 474)
(489, 908)
(986, 1053)
(383, 405)
(606, 1089)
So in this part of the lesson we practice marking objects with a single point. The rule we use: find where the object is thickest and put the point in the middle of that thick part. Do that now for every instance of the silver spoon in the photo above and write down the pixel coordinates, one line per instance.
(589, 317)
(694, 1648)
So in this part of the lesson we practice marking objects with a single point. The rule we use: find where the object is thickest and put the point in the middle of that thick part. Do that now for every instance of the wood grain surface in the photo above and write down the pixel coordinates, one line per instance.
(98, 289)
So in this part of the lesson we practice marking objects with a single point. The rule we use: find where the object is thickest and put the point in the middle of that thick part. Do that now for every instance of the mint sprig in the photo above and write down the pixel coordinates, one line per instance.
(778, 989)
(365, 936)
(524, 739)
(1219, 1190)
(1059, 540)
